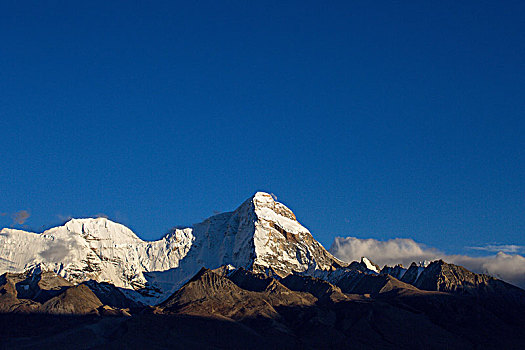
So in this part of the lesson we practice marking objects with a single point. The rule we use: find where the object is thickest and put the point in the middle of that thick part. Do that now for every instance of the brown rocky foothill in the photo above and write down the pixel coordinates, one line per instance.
(250, 309)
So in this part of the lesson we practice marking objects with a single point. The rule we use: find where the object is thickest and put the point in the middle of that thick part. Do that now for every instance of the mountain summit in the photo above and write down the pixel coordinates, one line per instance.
(261, 235)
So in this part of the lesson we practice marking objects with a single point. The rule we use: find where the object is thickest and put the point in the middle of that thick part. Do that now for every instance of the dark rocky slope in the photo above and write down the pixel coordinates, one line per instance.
(228, 308)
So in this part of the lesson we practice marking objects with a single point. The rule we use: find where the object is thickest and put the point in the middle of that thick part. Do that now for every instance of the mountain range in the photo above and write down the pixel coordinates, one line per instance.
(253, 277)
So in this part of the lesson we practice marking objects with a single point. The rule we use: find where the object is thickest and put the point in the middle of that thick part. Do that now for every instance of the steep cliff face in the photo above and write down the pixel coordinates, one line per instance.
(284, 245)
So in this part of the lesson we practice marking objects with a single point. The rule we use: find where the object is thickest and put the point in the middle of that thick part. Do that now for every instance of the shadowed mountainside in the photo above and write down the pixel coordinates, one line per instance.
(237, 308)
(39, 292)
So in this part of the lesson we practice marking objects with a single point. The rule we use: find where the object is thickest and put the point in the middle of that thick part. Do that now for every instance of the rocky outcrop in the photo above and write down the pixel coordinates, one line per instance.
(112, 296)
(75, 300)
(441, 276)
(412, 274)
(37, 292)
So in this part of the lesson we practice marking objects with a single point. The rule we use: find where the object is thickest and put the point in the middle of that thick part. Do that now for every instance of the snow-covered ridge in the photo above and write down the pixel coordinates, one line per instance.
(369, 265)
(261, 234)
(97, 249)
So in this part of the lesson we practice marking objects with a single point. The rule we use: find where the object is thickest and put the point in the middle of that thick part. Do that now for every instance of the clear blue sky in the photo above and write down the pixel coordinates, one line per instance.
(384, 119)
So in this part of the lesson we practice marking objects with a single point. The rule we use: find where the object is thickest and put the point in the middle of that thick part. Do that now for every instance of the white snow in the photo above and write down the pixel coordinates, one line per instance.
(261, 233)
(98, 249)
(369, 265)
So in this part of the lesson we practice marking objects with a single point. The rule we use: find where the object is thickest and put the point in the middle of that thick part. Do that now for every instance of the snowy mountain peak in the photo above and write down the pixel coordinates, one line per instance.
(282, 243)
(92, 249)
(263, 196)
(101, 228)
(265, 200)
(370, 265)
(260, 235)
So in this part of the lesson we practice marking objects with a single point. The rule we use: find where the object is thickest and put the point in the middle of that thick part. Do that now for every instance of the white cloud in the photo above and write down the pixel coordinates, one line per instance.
(508, 267)
(391, 252)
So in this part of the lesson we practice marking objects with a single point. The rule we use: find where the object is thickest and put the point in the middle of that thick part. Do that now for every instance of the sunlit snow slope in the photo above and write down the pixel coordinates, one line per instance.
(261, 235)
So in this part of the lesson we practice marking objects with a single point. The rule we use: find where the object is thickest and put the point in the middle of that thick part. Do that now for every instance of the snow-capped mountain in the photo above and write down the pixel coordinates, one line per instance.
(256, 269)
(92, 249)
(261, 235)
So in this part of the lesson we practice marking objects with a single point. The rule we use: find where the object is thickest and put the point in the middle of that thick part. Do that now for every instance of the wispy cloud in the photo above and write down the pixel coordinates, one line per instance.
(59, 250)
(506, 248)
(505, 264)
(20, 217)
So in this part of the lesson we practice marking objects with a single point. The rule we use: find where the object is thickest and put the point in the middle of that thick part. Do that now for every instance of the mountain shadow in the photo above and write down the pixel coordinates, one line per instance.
(239, 309)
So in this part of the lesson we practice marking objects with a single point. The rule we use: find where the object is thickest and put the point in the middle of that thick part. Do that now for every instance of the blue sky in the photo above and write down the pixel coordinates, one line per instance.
(378, 120)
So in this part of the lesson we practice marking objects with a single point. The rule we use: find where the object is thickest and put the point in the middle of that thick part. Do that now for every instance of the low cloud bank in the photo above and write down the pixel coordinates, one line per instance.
(508, 267)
